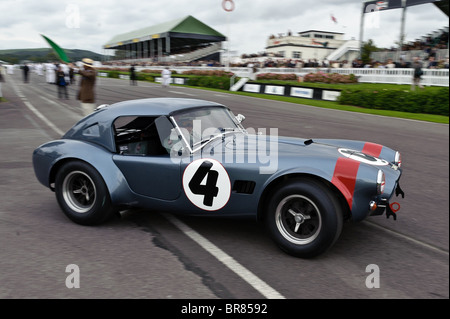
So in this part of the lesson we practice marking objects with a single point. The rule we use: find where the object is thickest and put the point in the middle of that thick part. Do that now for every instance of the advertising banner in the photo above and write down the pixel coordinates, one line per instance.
(373, 6)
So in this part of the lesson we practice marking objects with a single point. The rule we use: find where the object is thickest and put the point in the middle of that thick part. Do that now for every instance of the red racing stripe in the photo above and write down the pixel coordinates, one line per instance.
(372, 149)
(344, 177)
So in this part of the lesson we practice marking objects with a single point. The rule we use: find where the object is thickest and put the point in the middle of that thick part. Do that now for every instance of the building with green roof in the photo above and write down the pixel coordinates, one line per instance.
(176, 37)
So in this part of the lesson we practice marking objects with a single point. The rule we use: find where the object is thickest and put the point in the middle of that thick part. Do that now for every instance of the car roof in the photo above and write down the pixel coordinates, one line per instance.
(104, 117)
(149, 107)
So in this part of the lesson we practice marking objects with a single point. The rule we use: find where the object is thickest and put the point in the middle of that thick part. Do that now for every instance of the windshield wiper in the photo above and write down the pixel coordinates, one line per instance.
(211, 138)
(203, 141)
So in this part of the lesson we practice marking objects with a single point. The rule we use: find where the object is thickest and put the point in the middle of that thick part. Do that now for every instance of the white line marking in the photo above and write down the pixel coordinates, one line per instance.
(64, 107)
(415, 241)
(35, 111)
(43, 118)
(182, 93)
(226, 259)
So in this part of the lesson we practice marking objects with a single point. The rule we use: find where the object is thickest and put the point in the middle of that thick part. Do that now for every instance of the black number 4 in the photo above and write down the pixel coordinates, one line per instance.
(209, 190)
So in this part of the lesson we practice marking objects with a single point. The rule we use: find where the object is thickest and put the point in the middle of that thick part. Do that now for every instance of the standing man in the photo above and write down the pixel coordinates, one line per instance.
(10, 69)
(133, 75)
(50, 73)
(26, 69)
(166, 75)
(1, 80)
(39, 70)
(86, 93)
(62, 83)
(417, 75)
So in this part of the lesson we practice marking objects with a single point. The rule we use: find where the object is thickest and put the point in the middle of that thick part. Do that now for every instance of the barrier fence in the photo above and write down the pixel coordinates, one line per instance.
(430, 77)
(395, 76)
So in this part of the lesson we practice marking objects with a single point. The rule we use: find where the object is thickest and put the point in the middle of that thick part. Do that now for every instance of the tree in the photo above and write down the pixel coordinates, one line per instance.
(366, 51)
(9, 59)
(51, 57)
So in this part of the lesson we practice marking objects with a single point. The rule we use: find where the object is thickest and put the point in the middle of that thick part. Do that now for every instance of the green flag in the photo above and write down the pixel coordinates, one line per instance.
(59, 51)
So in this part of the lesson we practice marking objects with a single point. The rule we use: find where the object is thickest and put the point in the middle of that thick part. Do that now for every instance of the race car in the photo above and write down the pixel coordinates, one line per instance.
(190, 156)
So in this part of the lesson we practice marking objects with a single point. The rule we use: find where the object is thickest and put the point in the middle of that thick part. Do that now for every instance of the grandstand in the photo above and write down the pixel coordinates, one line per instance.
(181, 40)
(435, 43)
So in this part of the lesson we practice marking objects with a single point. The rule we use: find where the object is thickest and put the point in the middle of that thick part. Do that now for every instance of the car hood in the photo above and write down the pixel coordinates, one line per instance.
(286, 147)
(306, 147)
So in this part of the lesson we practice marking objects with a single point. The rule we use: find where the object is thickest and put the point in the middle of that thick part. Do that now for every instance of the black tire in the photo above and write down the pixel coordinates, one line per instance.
(304, 218)
(82, 194)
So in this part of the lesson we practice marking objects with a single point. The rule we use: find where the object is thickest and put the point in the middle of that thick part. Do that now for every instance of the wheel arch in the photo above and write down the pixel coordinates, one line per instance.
(95, 206)
(113, 178)
(57, 166)
(288, 178)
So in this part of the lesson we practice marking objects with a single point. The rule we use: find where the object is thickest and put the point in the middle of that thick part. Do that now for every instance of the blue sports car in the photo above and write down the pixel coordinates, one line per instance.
(195, 157)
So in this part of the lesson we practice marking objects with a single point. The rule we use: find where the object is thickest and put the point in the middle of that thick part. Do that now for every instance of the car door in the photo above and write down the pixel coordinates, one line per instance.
(155, 176)
(147, 166)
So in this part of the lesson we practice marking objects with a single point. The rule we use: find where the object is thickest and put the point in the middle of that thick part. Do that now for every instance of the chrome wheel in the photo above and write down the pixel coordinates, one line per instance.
(79, 192)
(298, 219)
(82, 194)
(304, 217)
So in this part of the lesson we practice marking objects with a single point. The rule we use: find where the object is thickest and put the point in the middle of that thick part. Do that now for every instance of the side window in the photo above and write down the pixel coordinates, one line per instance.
(92, 131)
(138, 136)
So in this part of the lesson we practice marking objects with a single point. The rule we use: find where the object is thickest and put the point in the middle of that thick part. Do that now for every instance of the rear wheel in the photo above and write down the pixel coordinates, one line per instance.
(304, 218)
(82, 194)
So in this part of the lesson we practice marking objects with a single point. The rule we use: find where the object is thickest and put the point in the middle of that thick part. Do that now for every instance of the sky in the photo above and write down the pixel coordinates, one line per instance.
(88, 25)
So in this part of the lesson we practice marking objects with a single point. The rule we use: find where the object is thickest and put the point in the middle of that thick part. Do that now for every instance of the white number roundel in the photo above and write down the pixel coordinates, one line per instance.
(206, 184)
(361, 157)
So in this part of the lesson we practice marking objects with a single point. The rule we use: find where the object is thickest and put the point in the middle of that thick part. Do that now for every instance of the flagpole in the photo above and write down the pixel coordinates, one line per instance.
(228, 43)
(228, 6)
(402, 29)
(361, 29)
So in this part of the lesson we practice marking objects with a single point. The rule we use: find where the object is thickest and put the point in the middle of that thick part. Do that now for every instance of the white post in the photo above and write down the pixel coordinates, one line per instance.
(228, 43)
(228, 6)
(361, 29)
(402, 29)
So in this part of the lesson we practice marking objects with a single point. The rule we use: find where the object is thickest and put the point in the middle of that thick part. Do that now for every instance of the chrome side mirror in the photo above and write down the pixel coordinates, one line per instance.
(240, 118)
(101, 107)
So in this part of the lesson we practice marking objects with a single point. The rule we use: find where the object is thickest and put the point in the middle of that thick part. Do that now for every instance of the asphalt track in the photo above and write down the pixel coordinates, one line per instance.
(150, 255)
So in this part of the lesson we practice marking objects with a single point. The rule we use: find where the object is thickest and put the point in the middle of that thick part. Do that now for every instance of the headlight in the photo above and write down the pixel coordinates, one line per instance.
(398, 159)
(381, 182)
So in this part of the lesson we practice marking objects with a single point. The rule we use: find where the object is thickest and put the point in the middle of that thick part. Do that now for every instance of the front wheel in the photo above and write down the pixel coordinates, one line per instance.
(304, 218)
(82, 194)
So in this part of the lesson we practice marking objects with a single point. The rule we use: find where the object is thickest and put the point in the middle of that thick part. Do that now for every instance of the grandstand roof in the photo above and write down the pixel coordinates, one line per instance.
(184, 28)
(443, 5)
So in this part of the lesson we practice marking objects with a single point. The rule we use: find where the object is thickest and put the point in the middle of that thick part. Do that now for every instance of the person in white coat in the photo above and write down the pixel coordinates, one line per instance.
(66, 70)
(39, 69)
(166, 76)
(50, 73)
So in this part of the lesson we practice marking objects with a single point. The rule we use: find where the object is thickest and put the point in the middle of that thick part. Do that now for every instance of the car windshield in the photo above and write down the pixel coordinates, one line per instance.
(200, 125)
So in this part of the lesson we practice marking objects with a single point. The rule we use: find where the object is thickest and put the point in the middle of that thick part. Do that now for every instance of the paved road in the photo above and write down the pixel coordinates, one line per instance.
(147, 254)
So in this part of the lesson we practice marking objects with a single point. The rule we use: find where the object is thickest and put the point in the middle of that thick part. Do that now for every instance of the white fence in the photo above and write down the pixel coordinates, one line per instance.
(431, 77)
